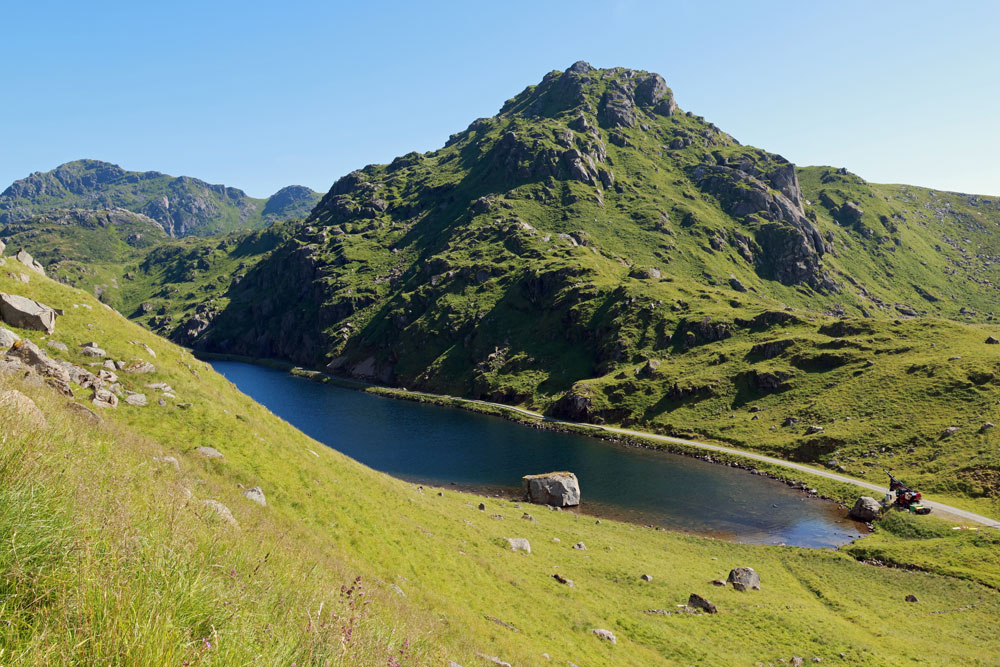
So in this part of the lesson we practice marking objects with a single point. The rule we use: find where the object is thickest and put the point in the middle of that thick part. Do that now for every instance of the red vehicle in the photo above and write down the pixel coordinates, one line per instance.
(906, 498)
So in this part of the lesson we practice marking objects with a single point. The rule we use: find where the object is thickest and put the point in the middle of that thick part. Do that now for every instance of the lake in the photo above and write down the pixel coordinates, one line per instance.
(443, 446)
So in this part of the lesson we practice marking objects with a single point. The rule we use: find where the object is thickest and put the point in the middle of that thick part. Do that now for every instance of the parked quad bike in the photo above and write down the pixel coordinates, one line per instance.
(906, 498)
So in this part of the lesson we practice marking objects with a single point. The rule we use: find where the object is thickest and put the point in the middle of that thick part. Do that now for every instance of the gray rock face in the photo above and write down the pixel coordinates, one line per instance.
(519, 544)
(92, 351)
(256, 494)
(560, 489)
(24, 313)
(606, 635)
(745, 577)
(29, 261)
(56, 345)
(866, 508)
(7, 339)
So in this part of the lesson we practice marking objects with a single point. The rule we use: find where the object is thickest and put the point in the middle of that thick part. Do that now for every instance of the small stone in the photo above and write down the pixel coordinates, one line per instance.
(866, 508)
(718, 582)
(580, 546)
(221, 511)
(138, 400)
(519, 544)
(911, 598)
(562, 580)
(646, 577)
(797, 661)
(482, 507)
(168, 460)
(528, 517)
(950, 431)
(746, 577)
(698, 602)
(814, 429)
(209, 452)
(91, 350)
(56, 345)
(992, 341)
(606, 635)
(256, 494)
(986, 427)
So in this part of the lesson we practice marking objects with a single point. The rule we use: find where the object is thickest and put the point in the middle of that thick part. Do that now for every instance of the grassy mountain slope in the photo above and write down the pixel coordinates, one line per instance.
(182, 205)
(106, 558)
(595, 252)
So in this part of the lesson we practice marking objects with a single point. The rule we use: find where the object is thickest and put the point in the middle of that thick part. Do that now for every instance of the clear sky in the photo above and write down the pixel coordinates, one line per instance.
(259, 95)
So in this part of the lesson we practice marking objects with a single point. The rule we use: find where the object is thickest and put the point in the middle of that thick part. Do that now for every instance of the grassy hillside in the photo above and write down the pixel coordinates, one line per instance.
(182, 205)
(109, 556)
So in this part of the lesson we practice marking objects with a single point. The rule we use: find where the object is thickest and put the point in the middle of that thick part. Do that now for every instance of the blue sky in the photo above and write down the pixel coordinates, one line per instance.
(261, 95)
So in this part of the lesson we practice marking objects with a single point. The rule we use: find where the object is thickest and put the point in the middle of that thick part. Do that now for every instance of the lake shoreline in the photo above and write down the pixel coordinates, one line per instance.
(824, 490)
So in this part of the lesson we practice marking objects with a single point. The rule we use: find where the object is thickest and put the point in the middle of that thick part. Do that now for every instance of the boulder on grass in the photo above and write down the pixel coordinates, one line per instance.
(22, 312)
(559, 489)
(744, 578)
(23, 407)
(866, 508)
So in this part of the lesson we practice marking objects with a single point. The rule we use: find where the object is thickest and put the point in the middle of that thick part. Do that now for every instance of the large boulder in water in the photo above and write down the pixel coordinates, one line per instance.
(24, 313)
(866, 508)
(560, 489)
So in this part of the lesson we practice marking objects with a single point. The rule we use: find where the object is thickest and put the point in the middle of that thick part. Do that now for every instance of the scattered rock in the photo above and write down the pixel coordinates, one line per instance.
(22, 406)
(912, 598)
(492, 658)
(746, 577)
(7, 339)
(56, 345)
(34, 357)
(580, 546)
(24, 313)
(221, 511)
(528, 517)
(950, 431)
(790, 421)
(646, 577)
(209, 452)
(992, 341)
(139, 366)
(504, 624)
(559, 489)
(866, 509)
(168, 460)
(813, 430)
(104, 398)
(92, 350)
(797, 661)
(606, 635)
(519, 544)
(256, 494)
(562, 580)
(85, 411)
(986, 427)
(29, 261)
(718, 582)
(482, 507)
(138, 400)
(698, 602)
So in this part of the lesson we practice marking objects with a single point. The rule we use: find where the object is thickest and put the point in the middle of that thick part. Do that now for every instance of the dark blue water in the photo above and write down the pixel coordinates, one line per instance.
(441, 445)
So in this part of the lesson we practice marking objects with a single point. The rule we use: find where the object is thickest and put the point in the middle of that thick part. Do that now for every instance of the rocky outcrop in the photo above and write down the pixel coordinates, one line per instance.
(559, 489)
(29, 261)
(519, 544)
(21, 312)
(866, 509)
(7, 339)
(35, 358)
(771, 205)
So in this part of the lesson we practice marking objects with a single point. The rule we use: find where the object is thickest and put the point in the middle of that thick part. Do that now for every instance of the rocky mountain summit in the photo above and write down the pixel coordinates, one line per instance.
(181, 205)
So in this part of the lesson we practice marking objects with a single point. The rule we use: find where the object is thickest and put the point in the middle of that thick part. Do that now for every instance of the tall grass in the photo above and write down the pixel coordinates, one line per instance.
(104, 559)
